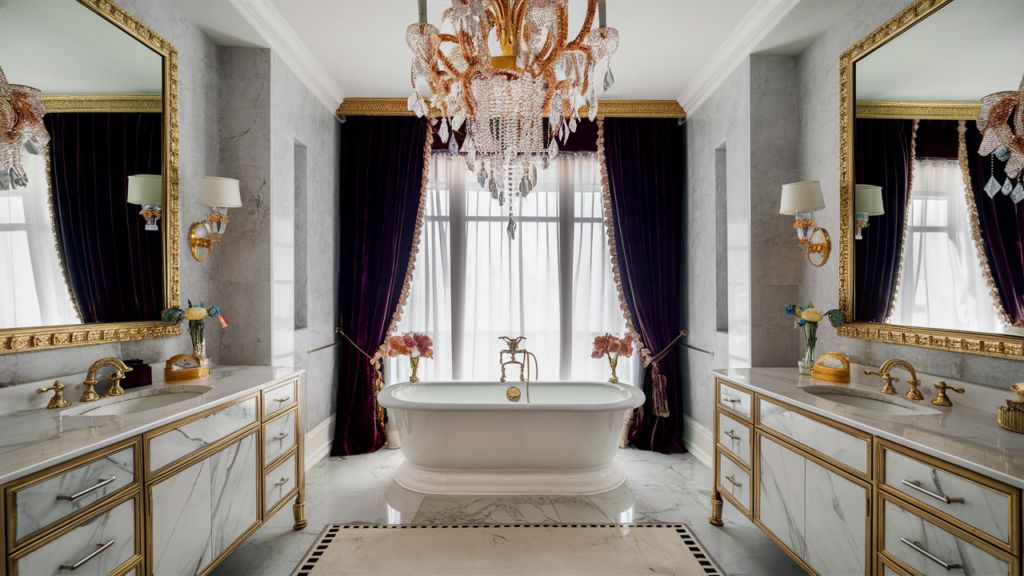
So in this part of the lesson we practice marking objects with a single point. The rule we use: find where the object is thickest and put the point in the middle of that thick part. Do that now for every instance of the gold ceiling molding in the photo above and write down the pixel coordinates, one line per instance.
(103, 103)
(606, 108)
(883, 110)
(992, 345)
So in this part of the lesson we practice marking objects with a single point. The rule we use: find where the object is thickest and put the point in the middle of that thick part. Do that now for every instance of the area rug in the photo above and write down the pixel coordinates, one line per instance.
(499, 549)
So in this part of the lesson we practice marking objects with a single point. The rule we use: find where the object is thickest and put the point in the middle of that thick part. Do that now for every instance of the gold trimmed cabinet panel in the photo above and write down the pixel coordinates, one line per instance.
(213, 490)
(849, 521)
(985, 344)
(28, 339)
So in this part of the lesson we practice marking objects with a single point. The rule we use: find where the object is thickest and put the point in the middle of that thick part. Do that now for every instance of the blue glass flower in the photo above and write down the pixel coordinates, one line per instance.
(214, 311)
(799, 323)
(791, 309)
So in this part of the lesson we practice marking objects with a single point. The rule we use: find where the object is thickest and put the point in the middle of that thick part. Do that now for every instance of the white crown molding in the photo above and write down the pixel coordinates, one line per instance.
(758, 23)
(283, 40)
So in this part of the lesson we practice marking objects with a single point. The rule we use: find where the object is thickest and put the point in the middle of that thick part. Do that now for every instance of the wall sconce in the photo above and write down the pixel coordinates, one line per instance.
(867, 202)
(801, 199)
(220, 194)
(147, 190)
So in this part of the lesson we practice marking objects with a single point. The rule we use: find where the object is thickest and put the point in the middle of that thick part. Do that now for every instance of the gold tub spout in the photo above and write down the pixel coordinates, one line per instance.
(913, 393)
(119, 367)
(524, 364)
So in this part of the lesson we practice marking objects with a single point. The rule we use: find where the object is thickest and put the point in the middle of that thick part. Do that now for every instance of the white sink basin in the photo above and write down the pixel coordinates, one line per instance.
(134, 406)
(872, 404)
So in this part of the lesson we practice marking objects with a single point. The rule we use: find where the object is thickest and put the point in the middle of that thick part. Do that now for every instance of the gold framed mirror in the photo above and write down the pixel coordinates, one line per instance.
(920, 266)
(107, 83)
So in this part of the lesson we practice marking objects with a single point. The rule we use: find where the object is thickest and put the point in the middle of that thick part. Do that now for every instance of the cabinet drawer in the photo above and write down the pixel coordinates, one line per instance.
(53, 497)
(843, 448)
(279, 436)
(928, 548)
(279, 399)
(98, 546)
(734, 437)
(168, 445)
(734, 399)
(279, 484)
(971, 505)
(735, 482)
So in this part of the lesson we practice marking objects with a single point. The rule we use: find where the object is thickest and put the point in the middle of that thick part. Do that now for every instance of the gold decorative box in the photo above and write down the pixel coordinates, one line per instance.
(172, 376)
(829, 374)
(1011, 419)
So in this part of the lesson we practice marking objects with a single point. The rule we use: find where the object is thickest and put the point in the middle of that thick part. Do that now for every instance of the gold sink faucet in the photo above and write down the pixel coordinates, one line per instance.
(119, 367)
(913, 393)
(524, 365)
(941, 399)
(58, 400)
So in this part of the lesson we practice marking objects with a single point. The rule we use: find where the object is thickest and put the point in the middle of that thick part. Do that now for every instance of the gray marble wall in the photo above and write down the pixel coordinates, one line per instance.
(297, 116)
(198, 93)
(818, 157)
(242, 258)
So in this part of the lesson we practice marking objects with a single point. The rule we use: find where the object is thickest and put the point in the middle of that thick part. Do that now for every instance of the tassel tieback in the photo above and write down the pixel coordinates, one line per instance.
(660, 382)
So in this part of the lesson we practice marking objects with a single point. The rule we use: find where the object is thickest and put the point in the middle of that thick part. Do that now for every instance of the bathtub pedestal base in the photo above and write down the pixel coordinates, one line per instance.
(506, 482)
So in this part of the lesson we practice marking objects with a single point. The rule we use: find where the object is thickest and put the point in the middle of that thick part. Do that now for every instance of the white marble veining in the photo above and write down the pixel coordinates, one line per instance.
(823, 438)
(279, 482)
(735, 437)
(49, 444)
(279, 437)
(946, 547)
(735, 481)
(117, 525)
(959, 434)
(198, 434)
(835, 522)
(235, 506)
(37, 506)
(781, 494)
(182, 525)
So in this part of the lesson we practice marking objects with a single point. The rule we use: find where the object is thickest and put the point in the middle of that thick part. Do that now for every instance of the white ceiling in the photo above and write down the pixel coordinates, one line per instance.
(959, 54)
(669, 49)
(62, 47)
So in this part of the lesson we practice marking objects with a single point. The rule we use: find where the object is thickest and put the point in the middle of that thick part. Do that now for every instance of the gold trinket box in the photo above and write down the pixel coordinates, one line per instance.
(829, 374)
(1011, 416)
(172, 376)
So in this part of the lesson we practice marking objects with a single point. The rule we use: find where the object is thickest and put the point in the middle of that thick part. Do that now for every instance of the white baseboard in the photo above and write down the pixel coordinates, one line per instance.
(319, 441)
(697, 439)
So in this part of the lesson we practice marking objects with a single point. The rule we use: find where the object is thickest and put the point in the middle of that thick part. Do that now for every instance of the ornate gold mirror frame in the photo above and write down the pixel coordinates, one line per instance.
(996, 345)
(50, 337)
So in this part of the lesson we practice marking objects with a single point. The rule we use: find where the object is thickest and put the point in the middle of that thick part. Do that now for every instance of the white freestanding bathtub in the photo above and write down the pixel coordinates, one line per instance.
(465, 437)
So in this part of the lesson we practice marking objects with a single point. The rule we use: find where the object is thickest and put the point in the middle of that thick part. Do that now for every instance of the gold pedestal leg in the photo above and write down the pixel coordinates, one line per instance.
(299, 511)
(716, 510)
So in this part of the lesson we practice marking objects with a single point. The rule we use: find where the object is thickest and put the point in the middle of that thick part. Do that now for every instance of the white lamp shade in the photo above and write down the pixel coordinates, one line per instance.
(869, 200)
(800, 197)
(215, 191)
(145, 189)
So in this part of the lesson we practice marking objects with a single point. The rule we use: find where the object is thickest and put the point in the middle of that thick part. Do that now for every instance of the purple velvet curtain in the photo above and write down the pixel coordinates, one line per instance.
(381, 180)
(646, 182)
(114, 265)
(1002, 227)
(882, 149)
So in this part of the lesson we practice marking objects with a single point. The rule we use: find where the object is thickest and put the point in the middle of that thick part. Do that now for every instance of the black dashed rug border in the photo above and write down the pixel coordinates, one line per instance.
(331, 531)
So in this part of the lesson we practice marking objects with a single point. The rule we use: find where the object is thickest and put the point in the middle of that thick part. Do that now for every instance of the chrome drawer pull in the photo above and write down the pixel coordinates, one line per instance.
(917, 546)
(733, 436)
(285, 399)
(282, 481)
(281, 436)
(734, 482)
(945, 499)
(101, 484)
(78, 564)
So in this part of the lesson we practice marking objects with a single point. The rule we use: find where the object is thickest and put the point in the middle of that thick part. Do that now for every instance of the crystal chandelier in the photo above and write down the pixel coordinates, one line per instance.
(1001, 121)
(501, 101)
(21, 129)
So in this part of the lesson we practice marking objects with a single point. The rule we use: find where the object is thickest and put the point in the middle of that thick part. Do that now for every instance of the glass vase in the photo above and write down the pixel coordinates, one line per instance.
(811, 333)
(195, 330)
(414, 361)
(613, 361)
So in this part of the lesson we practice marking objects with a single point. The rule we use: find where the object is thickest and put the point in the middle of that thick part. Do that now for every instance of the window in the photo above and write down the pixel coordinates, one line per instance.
(552, 284)
(942, 285)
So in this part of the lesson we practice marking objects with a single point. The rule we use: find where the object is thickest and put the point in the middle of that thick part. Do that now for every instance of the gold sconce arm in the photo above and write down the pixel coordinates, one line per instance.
(823, 248)
(195, 243)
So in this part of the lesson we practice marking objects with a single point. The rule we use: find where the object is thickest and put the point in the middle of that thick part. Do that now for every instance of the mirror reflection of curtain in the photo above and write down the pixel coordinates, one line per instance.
(512, 288)
(943, 285)
(884, 152)
(115, 266)
(1002, 228)
(33, 291)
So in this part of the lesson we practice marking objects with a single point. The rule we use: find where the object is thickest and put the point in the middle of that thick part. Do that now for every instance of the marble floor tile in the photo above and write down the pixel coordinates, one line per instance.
(658, 489)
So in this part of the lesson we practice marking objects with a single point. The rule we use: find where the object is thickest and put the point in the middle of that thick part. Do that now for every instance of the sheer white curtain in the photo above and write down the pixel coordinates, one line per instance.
(552, 284)
(942, 283)
(32, 287)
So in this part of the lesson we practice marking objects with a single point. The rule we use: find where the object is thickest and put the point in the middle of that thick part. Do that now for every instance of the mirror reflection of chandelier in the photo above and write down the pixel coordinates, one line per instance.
(21, 129)
(501, 101)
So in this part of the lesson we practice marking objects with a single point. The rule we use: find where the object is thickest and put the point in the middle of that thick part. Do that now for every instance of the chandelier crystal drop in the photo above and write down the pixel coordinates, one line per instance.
(500, 102)
(21, 130)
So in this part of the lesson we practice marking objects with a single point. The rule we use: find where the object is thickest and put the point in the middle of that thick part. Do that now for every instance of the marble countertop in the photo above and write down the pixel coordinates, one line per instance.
(960, 434)
(31, 440)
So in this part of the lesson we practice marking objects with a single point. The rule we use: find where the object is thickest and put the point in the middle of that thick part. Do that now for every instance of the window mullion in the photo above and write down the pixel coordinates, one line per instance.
(457, 215)
(566, 209)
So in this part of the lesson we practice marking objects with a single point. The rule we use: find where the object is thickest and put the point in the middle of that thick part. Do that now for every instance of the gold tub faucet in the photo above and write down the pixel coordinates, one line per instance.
(524, 365)
(119, 367)
(913, 393)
